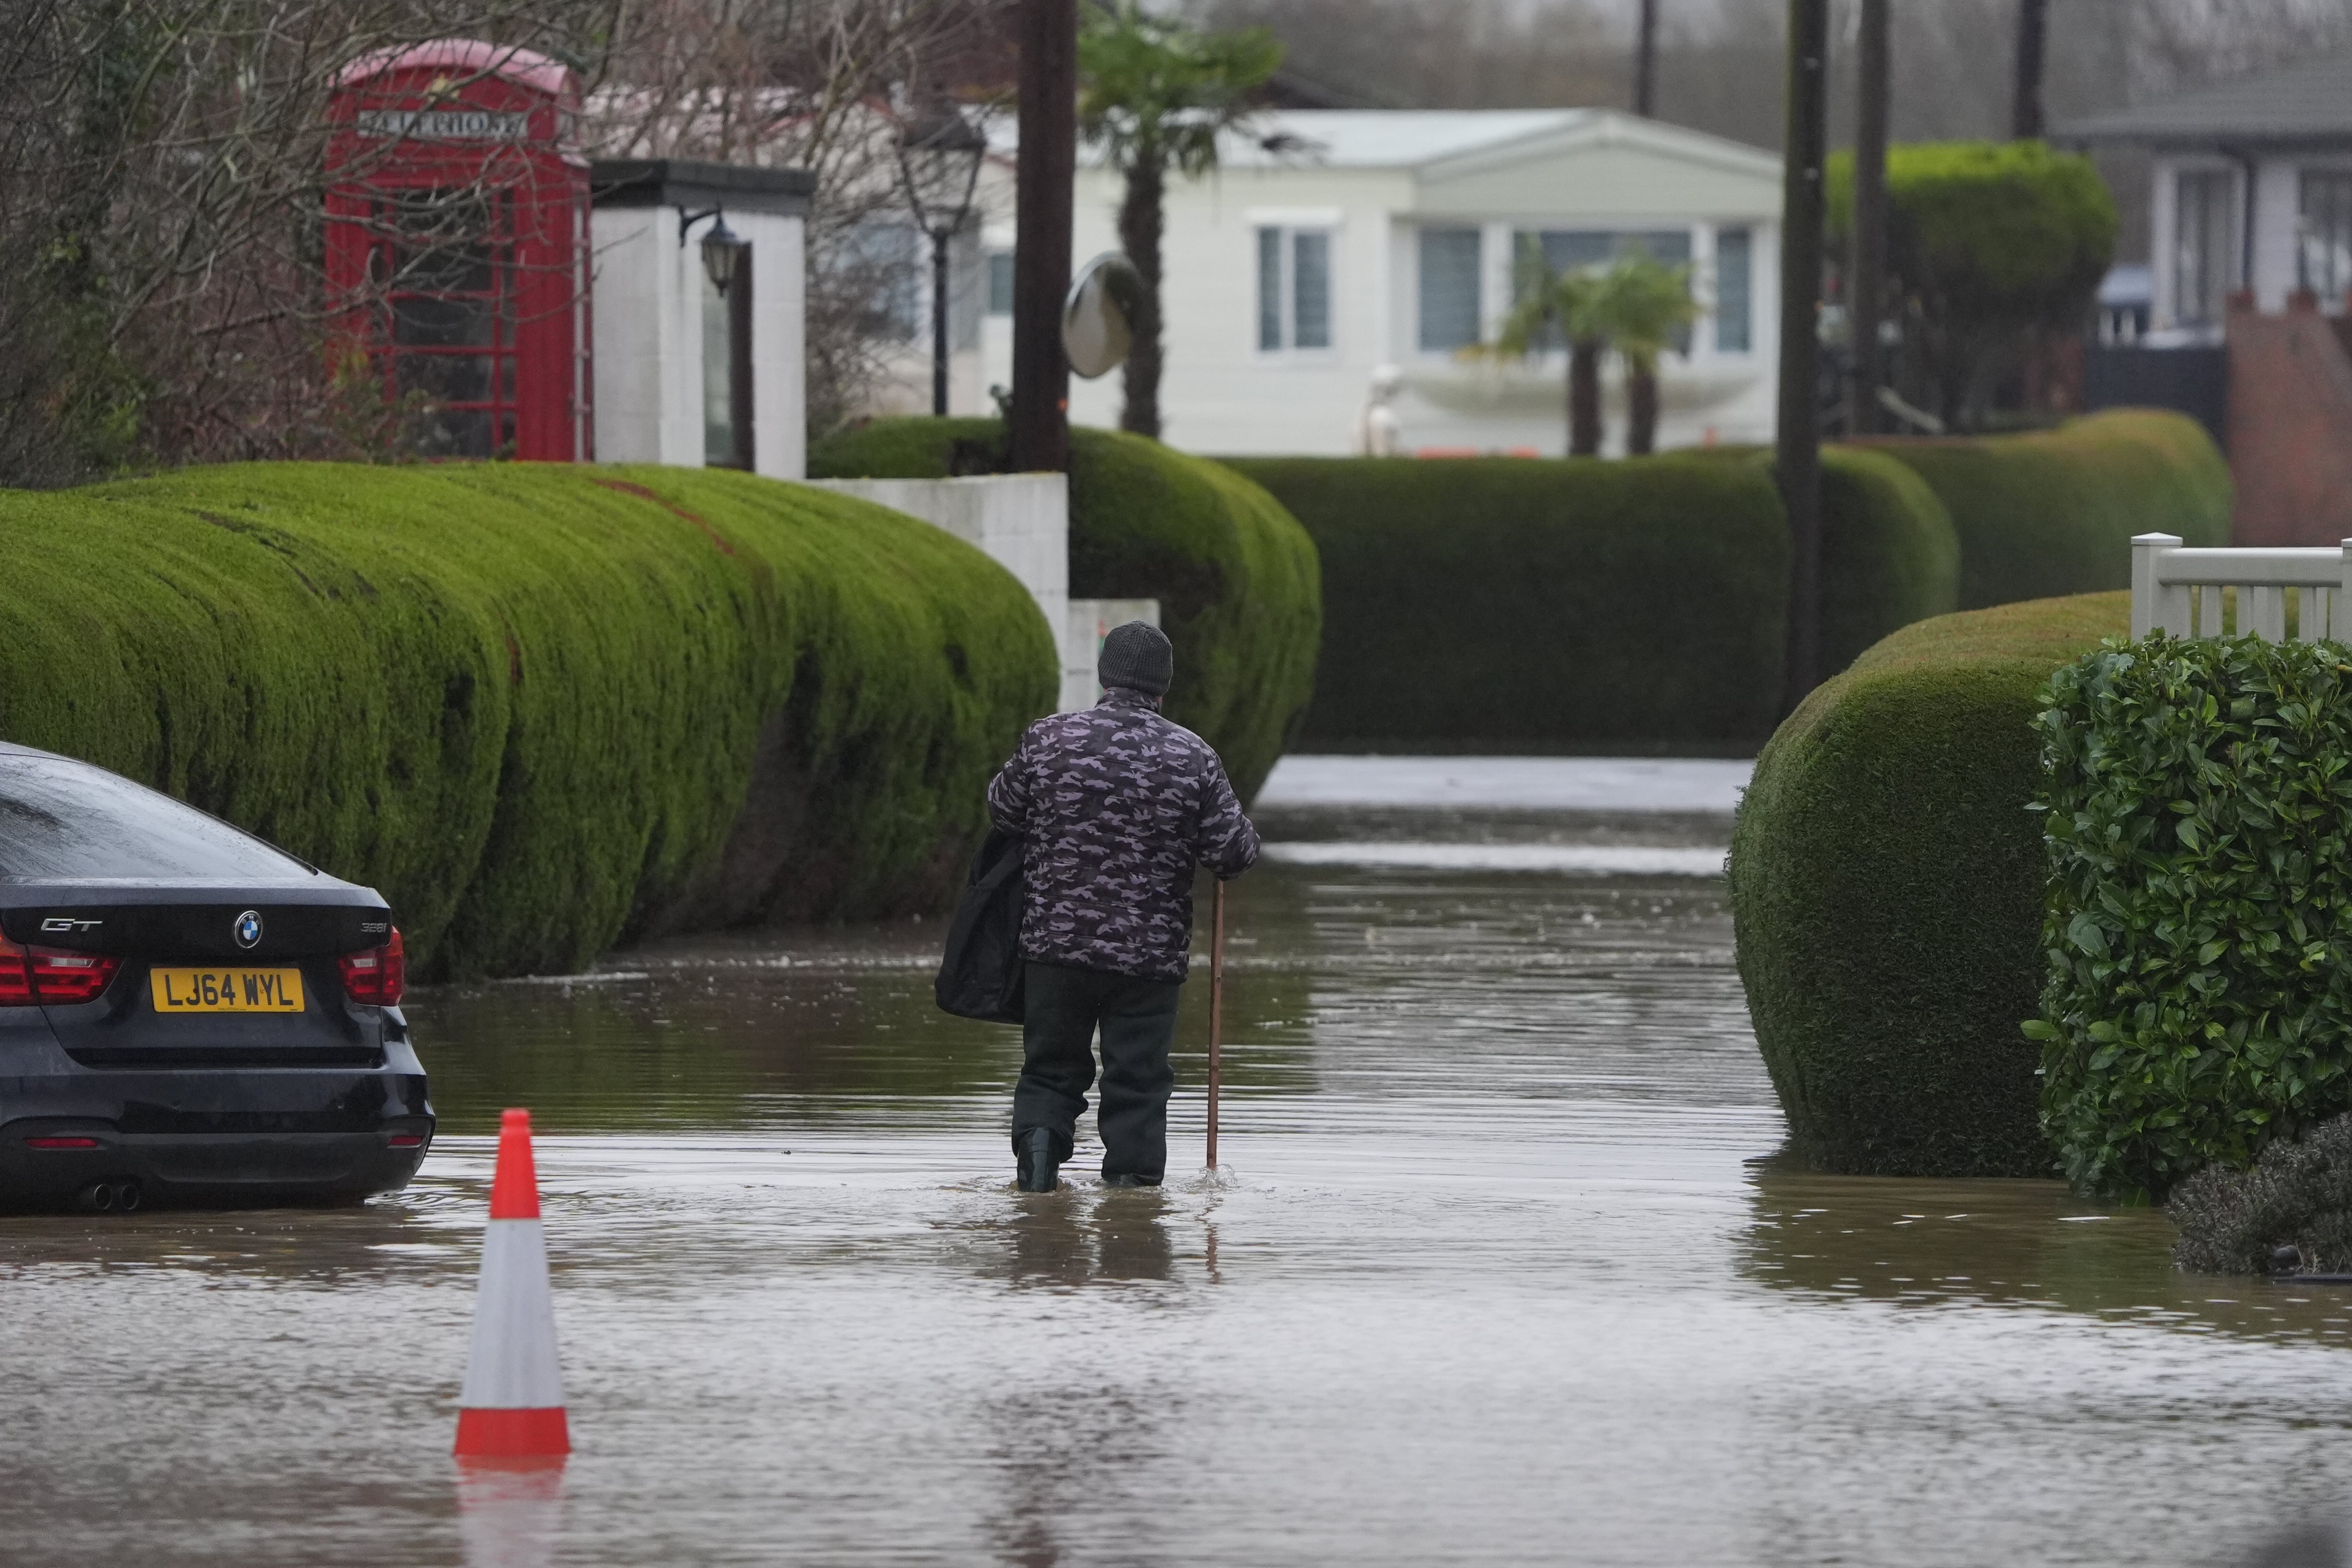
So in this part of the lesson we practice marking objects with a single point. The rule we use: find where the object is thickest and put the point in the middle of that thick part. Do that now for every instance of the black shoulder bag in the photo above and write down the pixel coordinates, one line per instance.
(980, 973)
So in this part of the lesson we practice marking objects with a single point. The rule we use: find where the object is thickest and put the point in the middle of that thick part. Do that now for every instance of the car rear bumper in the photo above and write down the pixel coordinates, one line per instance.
(234, 1135)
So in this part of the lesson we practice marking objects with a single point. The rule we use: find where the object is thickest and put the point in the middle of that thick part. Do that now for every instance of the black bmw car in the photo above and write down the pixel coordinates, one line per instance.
(188, 1013)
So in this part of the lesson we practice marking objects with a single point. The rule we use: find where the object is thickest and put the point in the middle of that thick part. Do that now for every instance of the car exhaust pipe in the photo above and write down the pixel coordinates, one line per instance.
(111, 1197)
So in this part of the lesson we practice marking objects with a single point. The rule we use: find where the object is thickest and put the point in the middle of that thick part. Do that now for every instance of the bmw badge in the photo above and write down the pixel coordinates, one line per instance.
(248, 929)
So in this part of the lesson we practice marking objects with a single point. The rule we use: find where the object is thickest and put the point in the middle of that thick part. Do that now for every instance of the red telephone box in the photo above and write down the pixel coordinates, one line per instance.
(457, 243)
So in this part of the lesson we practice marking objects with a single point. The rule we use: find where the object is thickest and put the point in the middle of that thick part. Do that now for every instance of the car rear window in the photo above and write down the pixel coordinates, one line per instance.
(64, 820)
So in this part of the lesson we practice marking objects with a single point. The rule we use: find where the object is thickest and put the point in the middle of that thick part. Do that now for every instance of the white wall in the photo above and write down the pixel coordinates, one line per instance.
(648, 300)
(779, 341)
(1021, 520)
(1220, 393)
(648, 348)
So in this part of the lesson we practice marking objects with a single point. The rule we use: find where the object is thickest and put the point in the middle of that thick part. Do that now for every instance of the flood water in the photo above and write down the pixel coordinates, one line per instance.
(1503, 1268)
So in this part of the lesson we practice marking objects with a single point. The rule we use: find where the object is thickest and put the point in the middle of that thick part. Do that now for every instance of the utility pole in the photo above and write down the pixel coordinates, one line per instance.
(1799, 465)
(1866, 276)
(1645, 63)
(1041, 245)
(2033, 34)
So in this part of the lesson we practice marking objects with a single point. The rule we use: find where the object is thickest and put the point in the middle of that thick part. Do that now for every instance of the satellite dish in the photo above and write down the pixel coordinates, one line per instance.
(1097, 318)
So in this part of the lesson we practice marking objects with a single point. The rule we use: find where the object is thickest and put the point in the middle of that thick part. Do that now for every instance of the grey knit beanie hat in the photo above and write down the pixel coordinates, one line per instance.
(1137, 656)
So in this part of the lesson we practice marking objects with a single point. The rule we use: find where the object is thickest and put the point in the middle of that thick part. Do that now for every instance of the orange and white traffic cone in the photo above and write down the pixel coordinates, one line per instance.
(512, 1406)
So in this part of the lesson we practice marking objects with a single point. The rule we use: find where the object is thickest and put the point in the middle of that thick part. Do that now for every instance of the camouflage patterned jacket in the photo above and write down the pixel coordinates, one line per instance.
(1115, 804)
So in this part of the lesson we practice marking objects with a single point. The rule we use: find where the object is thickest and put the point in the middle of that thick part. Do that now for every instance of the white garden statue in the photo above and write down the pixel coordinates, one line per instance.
(1377, 434)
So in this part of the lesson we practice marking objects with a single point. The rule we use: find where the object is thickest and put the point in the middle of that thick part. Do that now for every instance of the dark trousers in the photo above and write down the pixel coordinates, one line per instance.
(1062, 1007)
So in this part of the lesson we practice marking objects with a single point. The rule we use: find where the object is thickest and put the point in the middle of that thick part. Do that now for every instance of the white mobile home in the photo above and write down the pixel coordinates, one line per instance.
(1333, 243)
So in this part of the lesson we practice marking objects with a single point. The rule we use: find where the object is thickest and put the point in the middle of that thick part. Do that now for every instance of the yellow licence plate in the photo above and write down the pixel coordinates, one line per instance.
(226, 990)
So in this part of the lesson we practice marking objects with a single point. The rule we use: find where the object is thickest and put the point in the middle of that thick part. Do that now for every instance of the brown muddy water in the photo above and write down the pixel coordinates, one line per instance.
(1503, 1270)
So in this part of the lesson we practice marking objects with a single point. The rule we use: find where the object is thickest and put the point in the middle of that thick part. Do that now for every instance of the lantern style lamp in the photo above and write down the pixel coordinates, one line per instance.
(940, 155)
(722, 248)
(722, 253)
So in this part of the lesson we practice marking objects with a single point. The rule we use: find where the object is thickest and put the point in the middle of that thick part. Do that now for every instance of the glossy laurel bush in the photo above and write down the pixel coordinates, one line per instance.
(2198, 1002)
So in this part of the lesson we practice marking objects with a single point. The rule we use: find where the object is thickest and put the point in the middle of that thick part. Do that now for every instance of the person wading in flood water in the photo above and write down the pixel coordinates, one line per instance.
(1115, 805)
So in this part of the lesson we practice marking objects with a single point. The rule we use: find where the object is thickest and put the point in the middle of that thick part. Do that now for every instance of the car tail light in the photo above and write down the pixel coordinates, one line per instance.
(407, 1140)
(376, 975)
(16, 979)
(62, 976)
(31, 975)
(60, 1143)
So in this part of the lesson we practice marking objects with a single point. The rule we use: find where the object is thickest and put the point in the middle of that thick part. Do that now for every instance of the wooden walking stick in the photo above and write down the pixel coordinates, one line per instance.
(1216, 1009)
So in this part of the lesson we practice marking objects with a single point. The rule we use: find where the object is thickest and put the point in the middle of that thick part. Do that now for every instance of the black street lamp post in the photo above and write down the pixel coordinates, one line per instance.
(940, 155)
(1799, 468)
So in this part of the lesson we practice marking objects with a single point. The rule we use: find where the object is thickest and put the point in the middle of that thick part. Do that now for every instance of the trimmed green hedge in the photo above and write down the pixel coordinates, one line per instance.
(1889, 554)
(1886, 887)
(1609, 538)
(541, 708)
(2053, 514)
(2198, 924)
(1530, 602)
(1239, 590)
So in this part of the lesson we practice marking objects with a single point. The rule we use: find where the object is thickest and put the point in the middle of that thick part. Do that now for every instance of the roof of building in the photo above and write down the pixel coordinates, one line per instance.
(1429, 139)
(2309, 102)
(686, 182)
(1397, 138)
(463, 58)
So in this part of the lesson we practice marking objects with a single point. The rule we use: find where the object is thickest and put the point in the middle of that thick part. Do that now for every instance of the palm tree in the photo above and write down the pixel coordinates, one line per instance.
(1556, 304)
(1155, 93)
(1642, 306)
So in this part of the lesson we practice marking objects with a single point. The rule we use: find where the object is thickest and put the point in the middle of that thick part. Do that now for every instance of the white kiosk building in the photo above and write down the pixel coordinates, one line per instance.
(688, 373)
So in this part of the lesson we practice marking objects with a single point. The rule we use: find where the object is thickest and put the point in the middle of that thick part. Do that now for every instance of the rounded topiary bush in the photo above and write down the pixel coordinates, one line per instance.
(1240, 592)
(1886, 888)
(2053, 512)
(541, 708)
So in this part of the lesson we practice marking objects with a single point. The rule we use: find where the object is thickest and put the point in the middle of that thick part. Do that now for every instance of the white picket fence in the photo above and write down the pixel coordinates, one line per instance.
(2180, 591)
